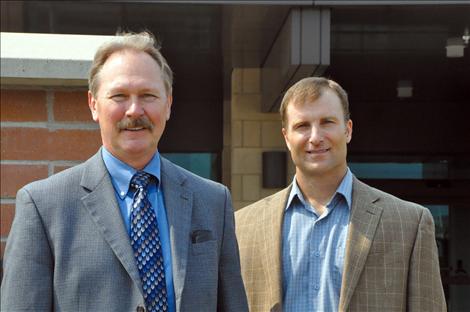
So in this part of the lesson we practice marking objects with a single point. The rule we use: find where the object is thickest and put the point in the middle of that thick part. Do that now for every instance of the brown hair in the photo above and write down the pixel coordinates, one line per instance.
(143, 41)
(310, 89)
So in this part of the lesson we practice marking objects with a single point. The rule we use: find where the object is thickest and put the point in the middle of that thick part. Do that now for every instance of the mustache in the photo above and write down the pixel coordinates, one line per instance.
(143, 122)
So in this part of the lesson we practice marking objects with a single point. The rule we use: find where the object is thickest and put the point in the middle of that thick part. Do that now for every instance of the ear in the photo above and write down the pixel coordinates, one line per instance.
(93, 106)
(286, 137)
(169, 103)
(349, 129)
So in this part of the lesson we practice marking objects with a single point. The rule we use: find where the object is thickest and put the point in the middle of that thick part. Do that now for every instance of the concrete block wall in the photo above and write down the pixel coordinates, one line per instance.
(251, 132)
(43, 131)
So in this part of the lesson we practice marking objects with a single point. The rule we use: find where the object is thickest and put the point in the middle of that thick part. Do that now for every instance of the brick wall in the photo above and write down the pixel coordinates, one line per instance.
(251, 133)
(43, 131)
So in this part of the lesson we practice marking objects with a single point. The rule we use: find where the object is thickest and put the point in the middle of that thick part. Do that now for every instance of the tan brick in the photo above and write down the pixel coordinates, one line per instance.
(268, 192)
(251, 134)
(251, 185)
(23, 105)
(42, 144)
(236, 187)
(71, 106)
(251, 80)
(237, 205)
(248, 107)
(236, 134)
(271, 134)
(237, 83)
(246, 161)
(7, 212)
(13, 177)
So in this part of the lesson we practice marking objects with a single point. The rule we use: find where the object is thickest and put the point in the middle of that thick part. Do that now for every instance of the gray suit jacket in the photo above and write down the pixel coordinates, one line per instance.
(68, 249)
(391, 261)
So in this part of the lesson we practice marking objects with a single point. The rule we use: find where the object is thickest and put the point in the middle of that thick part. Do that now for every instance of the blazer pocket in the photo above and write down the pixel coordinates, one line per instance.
(204, 248)
(200, 236)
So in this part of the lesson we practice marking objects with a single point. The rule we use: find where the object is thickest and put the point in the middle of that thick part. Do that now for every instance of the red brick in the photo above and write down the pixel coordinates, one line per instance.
(23, 105)
(13, 177)
(75, 144)
(42, 144)
(7, 212)
(24, 143)
(71, 106)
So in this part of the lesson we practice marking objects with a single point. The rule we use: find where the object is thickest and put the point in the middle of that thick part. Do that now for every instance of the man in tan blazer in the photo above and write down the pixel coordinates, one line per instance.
(329, 242)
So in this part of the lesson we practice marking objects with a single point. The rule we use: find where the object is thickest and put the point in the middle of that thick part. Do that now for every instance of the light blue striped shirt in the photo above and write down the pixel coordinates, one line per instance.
(121, 175)
(313, 250)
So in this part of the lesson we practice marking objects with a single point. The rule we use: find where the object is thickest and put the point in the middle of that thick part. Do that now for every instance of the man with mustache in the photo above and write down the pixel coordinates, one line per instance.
(329, 242)
(127, 230)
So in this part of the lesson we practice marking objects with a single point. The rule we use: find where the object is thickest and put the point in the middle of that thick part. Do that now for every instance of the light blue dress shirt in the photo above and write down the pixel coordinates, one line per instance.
(313, 250)
(121, 175)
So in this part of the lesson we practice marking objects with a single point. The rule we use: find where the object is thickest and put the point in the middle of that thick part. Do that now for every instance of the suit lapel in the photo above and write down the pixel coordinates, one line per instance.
(365, 216)
(273, 215)
(178, 204)
(102, 205)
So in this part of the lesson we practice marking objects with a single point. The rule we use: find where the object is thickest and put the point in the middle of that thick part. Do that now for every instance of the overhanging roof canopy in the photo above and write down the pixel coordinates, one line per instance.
(47, 59)
(301, 49)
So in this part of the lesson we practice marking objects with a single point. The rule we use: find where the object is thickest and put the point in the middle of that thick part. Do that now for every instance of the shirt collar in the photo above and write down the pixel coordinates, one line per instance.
(344, 189)
(121, 173)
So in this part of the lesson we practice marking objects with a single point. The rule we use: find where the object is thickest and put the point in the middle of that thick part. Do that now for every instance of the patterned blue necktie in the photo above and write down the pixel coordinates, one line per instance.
(145, 241)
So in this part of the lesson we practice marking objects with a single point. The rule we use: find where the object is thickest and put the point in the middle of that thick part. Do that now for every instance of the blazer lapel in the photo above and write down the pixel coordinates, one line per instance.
(365, 216)
(102, 205)
(178, 204)
(272, 228)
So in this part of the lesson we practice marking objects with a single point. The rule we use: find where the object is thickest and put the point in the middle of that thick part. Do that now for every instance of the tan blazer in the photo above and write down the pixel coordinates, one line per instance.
(391, 261)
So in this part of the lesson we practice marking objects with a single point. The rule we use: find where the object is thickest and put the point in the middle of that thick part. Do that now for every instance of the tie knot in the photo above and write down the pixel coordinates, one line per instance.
(141, 179)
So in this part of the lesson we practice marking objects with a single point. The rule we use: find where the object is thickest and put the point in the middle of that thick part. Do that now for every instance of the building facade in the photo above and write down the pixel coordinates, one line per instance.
(405, 65)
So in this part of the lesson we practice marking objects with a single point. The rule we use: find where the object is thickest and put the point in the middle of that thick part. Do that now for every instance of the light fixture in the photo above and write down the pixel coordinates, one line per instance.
(455, 46)
(466, 35)
(405, 89)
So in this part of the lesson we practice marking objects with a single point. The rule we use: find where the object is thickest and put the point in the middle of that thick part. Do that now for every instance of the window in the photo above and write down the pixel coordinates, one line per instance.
(202, 164)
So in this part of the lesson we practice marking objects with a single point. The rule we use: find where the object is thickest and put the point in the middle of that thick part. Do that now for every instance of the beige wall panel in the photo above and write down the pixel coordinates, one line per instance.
(251, 185)
(237, 86)
(251, 134)
(236, 187)
(271, 135)
(251, 80)
(236, 133)
(246, 161)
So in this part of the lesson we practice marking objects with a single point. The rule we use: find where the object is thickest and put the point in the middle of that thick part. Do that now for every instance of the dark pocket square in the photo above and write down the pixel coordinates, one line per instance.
(199, 236)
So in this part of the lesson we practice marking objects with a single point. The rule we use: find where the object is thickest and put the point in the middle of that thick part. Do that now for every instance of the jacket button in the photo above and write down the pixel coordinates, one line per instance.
(140, 309)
